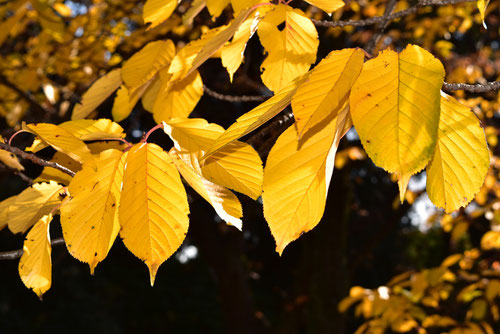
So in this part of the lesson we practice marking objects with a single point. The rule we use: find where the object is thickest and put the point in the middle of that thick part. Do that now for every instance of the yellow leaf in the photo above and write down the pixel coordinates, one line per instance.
(177, 98)
(236, 166)
(196, 7)
(224, 202)
(327, 88)
(256, 117)
(89, 219)
(461, 159)
(328, 6)
(125, 101)
(481, 5)
(239, 5)
(153, 206)
(146, 63)
(157, 11)
(232, 53)
(395, 108)
(490, 240)
(217, 41)
(32, 204)
(215, 7)
(9, 159)
(51, 174)
(4, 210)
(149, 96)
(35, 266)
(291, 50)
(62, 9)
(86, 129)
(60, 139)
(296, 179)
(183, 60)
(97, 94)
(435, 320)
(50, 22)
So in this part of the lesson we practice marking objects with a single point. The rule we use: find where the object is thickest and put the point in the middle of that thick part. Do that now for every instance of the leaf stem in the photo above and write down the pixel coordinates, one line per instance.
(153, 129)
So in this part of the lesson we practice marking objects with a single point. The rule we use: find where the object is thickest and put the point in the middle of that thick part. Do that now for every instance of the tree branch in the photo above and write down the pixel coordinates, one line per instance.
(12, 255)
(36, 160)
(231, 98)
(477, 88)
(393, 16)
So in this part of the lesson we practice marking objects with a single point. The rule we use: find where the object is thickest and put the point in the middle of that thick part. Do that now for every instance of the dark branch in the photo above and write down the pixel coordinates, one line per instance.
(231, 98)
(12, 255)
(391, 17)
(477, 88)
(36, 160)
(26, 96)
(379, 30)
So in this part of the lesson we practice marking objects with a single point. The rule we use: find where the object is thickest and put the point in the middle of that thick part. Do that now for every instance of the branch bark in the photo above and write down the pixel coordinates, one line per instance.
(12, 255)
(477, 88)
(232, 98)
(36, 160)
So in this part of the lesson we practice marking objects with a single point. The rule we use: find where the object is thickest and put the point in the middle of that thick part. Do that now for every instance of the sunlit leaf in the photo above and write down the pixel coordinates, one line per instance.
(32, 204)
(146, 63)
(217, 41)
(9, 159)
(461, 159)
(297, 177)
(177, 98)
(153, 206)
(328, 6)
(89, 219)
(291, 50)
(125, 101)
(327, 88)
(35, 266)
(51, 174)
(97, 94)
(60, 139)
(4, 210)
(395, 109)
(239, 5)
(481, 5)
(490, 240)
(157, 11)
(256, 117)
(196, 7)
(215, 7)
(224, 202)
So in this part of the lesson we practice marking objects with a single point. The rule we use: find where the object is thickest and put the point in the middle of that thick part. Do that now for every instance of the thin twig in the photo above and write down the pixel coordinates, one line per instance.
(36, 160)
(232, 98)
(379, 30)
(12, 255)
(477, 88)
(393, 16)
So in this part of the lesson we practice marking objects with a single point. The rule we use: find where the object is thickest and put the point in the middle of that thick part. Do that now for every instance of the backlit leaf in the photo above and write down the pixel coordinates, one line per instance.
(153, 206)
(97, 94)
(157, 11)
(481, 5)
(146, 63)
(215, 7)
(296, 179)
(4, 210)
(89, 219)
(51, 174)
(125, 101)
(291, 50)
(461, 159)
(239, 5)
(35, 266)
(327, 88)
(395, 109)
(177, 98)
(256, 117)
(328, 6)
(32, 204)
(61, 140)
(9, 159)
(237, 166)
(224, 202)
(196, 7)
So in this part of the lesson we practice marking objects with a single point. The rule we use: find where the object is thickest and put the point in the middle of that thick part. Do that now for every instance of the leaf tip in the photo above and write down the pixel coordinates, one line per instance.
(403, 184)
(153, 269)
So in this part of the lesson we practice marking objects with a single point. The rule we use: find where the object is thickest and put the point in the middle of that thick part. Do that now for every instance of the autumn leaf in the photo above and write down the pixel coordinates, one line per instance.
(125, 101)
(61, 140)
(97, 94)
(35, 266)
(4, 210)
(215, 7)
(461, 158)
(328, 6)
(291, 50)
(157, 11)
(395, 109)
(153, 208)
(9, 159)
(52, 174)
(297, 177)
(89, 219)
(481, 5)
(32, 204)
(224, 202)
(327, 88)
(256, 117)
(239, 5)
